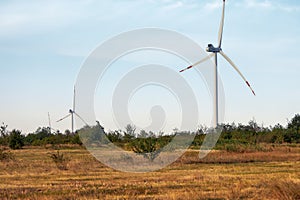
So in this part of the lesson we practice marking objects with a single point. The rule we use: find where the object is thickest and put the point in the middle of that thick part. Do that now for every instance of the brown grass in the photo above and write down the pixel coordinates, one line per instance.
(221, 175)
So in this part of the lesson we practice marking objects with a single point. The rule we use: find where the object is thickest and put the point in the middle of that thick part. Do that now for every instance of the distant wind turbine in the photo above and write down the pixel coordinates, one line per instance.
(49, 126)
(72, 113)
(213, 53)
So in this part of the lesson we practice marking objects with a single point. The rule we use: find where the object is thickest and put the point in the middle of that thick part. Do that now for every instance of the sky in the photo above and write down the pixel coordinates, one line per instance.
(43, 45)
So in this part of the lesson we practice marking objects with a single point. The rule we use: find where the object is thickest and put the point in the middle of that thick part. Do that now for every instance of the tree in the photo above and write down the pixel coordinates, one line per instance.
(253, 125)
(4, 134)
(68, 132)
(278, 133)
(295, 123)
(16, 140)
(76, 139)
(129, 132)
(142, 134)
(114, 136)
(148, 147)
(292, 133)
(41, 136)
(93, 135)
(3, 130)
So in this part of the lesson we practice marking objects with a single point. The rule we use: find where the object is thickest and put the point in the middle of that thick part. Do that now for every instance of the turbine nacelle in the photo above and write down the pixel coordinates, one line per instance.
(71, 114)
(211, 48)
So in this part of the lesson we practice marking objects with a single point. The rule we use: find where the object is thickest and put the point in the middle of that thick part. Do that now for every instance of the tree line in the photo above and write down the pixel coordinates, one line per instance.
(143, 142)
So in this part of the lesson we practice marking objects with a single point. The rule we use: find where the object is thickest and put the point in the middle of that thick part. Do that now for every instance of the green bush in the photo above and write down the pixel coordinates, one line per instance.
(148, 147)
(4, 135)
(16, 140)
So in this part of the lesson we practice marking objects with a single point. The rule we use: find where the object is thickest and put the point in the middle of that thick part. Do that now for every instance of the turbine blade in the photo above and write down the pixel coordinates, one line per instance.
(197, 63)
(49, 121)
(81, 118)
(74, 100)
(63, 118)
(238, 71)
(53, 129)
(221, 25)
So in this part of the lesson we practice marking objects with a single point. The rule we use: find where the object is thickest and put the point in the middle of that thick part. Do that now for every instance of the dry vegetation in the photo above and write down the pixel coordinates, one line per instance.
(270, 174)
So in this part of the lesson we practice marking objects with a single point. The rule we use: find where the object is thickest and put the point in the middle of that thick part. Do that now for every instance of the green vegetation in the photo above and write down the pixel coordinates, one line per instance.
(234, 137)
(16, 140)
(149, 147)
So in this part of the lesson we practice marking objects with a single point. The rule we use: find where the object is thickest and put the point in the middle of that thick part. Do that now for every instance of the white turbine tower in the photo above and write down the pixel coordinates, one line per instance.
(213, 53)
(72, 113)
(49, 120)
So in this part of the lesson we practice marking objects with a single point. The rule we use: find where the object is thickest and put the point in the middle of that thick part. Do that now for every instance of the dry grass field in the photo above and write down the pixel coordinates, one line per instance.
(273, 174)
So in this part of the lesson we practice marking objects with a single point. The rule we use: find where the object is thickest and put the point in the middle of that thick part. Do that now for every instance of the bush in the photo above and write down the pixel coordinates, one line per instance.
(16, 140)
(5, 155)
(148, 147)
(76, 139)
(3, 135)
(60, 160)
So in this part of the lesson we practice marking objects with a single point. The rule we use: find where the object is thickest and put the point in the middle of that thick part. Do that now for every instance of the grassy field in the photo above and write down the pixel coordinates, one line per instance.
(271, 174)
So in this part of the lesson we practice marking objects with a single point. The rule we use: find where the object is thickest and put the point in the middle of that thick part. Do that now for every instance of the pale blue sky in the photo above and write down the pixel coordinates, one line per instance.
(44, 43)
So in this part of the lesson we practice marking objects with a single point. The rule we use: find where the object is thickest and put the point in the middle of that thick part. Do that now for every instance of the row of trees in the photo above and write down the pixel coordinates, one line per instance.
(129, 139)
(42, 136)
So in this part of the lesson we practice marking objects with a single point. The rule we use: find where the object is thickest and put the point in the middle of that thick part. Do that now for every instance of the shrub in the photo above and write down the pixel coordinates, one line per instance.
(16, 140)
(148, 147)
(76, 139)
(60, 160)
(3, 135)
(5, 155)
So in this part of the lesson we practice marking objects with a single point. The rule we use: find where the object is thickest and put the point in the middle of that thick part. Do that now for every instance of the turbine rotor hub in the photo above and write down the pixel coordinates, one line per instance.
(211, 48)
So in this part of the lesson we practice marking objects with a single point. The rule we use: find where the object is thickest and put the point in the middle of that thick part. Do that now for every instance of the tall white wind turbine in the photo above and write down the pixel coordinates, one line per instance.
(213, 53)
(72, 113)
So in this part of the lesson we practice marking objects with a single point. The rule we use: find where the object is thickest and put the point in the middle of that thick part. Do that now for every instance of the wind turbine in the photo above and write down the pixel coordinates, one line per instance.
(213, 53)
(72, 113)
(49, 121)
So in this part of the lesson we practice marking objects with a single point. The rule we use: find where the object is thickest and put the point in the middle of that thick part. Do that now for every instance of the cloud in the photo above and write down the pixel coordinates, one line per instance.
(268, 5)
(288, 8)
(174, 5)
(213, 5)
(258, 4)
